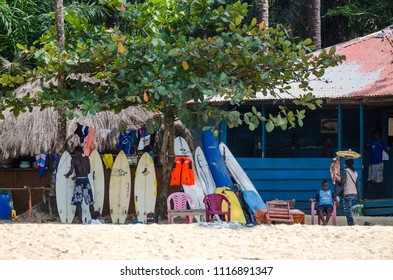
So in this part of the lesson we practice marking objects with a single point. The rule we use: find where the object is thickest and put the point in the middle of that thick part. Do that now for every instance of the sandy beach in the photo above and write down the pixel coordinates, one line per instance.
(198, 241)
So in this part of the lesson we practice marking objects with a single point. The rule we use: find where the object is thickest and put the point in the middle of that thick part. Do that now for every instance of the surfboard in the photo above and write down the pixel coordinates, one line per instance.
(195, 190)
(96, 178)
(215, 161)
(203, 171)
(120, 189)
(64, 190)
(253, 200)
(181, 147)
(86, 215)
(145, 188)
(237, 214)
(237, 172)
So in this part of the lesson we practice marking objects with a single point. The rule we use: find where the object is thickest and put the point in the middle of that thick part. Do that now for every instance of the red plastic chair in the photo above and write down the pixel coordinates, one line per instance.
(314, 213)
(214, 206)
(179, 201)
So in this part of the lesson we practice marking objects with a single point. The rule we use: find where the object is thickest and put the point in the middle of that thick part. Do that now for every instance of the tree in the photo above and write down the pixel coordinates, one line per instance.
(174, 58)
(262, 11)
(314, 22)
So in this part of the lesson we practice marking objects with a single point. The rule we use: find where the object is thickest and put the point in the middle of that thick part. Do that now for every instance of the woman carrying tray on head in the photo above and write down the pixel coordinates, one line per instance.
(351, 189)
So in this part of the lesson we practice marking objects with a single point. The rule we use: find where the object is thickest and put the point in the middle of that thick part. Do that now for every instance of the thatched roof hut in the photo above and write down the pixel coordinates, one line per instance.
(35, 132)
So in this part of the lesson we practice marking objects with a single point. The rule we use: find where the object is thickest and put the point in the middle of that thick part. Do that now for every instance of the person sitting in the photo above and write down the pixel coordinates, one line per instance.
(325, 199)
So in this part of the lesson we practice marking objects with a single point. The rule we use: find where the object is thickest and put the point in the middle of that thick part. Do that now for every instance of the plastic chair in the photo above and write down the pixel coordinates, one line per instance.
(179, 201)
(213, 205)
(314, 213)
(278, 211)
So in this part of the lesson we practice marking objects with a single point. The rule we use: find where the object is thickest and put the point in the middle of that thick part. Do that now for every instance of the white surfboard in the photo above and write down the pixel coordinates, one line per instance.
(120, 189)
(96, 178)
(86, 215)
(145, 188)
(196, 190)
(204, 174)
(236, 170)
(181, 147)
(64, 190)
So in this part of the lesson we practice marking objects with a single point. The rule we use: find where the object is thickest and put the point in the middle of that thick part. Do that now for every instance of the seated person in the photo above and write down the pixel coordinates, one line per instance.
(325, 199)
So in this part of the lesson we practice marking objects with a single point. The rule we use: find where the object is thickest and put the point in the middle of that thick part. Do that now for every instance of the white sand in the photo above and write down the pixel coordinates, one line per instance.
(54, 241)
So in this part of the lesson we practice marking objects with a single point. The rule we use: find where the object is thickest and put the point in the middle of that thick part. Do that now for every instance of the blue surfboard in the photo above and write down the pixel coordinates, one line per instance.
(253, 200)
(216, 163)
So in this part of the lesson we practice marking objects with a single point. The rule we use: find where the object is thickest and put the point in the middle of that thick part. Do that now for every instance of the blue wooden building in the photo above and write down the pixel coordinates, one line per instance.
(358, 99)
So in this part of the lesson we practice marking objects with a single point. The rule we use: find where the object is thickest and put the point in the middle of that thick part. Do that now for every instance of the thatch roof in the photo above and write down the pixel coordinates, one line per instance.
(35, 132)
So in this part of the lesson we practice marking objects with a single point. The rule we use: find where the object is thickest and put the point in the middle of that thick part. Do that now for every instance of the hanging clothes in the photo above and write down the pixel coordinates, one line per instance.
(108, 160)
(127, 141)
(144, 138)
(40, 160)
(88, 144)
(82, 131)
(182, 173)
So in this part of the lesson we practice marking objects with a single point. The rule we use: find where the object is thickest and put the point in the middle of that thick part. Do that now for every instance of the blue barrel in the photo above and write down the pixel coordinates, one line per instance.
(5, 206)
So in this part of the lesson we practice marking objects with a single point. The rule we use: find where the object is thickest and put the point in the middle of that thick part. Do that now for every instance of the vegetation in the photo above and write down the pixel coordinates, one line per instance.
(173, 58)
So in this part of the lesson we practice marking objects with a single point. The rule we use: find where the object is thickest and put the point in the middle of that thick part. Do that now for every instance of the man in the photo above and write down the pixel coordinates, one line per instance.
(82, 189)
(375, 170)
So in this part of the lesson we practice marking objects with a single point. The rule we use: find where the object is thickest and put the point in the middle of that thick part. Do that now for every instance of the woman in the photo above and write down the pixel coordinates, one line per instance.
(351, 190)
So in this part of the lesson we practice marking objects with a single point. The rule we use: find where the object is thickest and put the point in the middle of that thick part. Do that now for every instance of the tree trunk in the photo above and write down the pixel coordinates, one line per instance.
(314, 22)
(59, 15)
(166, 156)
(262, 11)
(60, 40)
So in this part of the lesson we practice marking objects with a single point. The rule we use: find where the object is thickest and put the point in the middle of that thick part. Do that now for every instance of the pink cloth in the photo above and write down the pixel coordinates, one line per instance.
(88, 143)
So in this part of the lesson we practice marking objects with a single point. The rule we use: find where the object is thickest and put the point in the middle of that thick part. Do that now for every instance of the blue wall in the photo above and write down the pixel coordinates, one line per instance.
(290, 178)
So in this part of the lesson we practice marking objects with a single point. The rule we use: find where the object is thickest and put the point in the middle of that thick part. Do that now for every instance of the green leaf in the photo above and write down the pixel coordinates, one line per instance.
(269, 126)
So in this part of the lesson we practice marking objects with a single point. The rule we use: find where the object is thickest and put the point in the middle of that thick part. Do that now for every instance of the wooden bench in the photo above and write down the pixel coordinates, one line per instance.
(187, 212)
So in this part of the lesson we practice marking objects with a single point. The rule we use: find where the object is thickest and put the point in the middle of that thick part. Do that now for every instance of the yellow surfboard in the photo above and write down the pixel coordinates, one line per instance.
(237, 214)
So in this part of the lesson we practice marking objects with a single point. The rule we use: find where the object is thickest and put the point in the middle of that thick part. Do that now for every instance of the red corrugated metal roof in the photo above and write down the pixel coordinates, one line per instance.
(367, 71)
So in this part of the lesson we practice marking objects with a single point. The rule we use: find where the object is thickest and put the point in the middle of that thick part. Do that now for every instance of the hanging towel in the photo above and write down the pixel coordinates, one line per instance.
(88, 144)
(127, 140)
(81, 131)
(108, 161)
(40, 159)
(144, 138)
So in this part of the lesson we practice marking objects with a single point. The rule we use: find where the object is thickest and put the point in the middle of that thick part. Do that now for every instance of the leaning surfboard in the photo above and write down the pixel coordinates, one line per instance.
(64, 190)
(203, 171)
(215, 161)
(195, 190)
(96, 177)
(237, 214)
(237, 172)
(120, 189)
(145, 188)
(181, 147)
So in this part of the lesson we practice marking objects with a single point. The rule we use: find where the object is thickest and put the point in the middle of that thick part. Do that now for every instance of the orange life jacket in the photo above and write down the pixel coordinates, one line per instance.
(182, 173)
